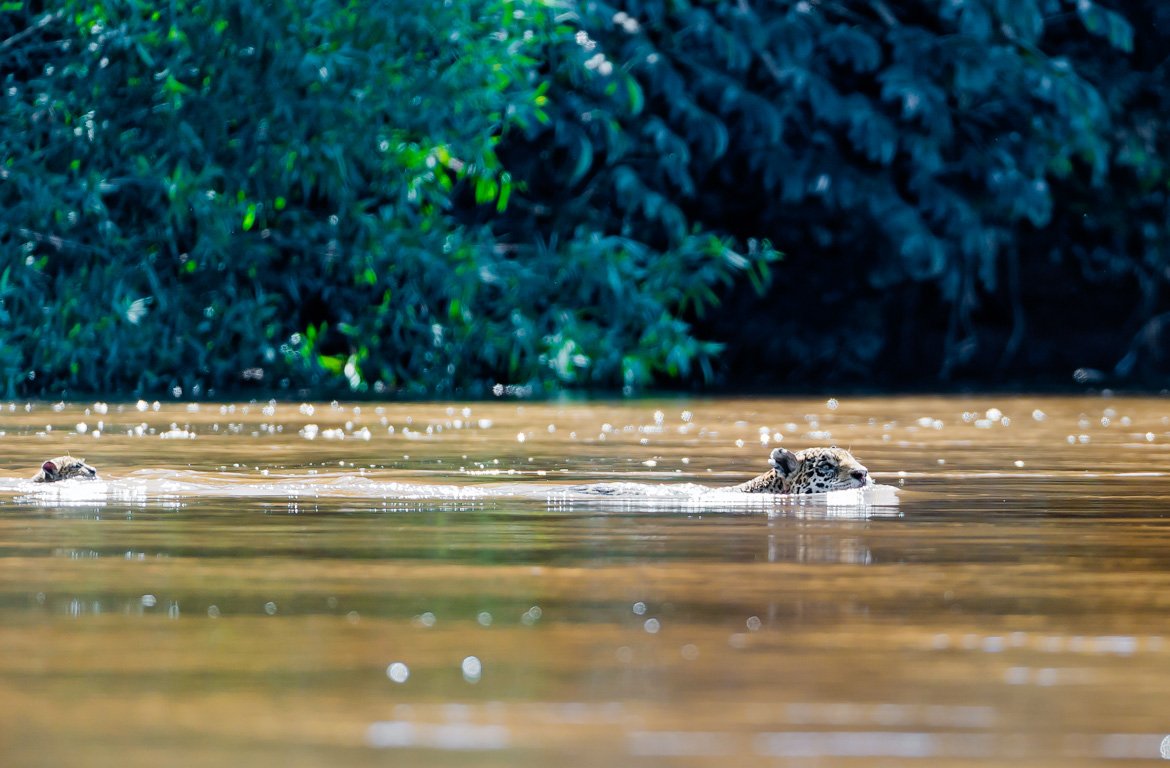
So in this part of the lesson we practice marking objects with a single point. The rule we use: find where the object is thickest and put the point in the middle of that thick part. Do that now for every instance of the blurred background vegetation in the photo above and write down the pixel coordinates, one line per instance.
(433, 198)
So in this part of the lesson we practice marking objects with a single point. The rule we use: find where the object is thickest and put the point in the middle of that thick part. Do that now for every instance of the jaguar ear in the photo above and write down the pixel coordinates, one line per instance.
(783, 460)
(49, 468)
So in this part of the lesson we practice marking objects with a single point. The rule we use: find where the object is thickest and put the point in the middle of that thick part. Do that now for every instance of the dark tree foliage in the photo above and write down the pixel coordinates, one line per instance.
(944, 176)
(431, 197)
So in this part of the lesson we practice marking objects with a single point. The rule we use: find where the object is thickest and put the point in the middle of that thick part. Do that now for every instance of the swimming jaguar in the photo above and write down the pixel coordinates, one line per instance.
(63, 468)
(813, 470)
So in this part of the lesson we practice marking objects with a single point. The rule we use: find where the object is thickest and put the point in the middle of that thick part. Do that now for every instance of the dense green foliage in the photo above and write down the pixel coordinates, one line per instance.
(432, 197)
(223, 192)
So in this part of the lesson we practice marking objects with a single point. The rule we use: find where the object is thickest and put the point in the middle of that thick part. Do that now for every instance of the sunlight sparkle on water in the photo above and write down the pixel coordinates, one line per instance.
(398, 672)
(472, 669)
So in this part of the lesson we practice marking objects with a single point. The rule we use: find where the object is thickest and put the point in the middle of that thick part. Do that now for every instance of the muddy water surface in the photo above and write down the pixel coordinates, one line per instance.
(413, 584)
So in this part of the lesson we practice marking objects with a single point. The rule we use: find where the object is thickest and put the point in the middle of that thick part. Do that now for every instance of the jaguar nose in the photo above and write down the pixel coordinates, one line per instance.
(859, 475)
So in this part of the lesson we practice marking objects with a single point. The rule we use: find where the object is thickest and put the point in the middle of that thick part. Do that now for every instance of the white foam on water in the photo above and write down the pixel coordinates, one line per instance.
(170, 486)
(400, 734)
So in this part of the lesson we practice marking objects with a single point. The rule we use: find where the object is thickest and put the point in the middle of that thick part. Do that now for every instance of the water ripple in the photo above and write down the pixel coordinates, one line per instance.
(147, 485)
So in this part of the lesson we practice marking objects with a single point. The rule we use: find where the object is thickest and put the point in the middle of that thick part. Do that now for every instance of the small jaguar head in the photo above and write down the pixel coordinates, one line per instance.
(63, 468)
(817, 470)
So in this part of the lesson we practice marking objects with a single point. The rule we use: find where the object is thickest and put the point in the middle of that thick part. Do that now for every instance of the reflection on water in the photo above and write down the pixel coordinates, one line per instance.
(330, 584)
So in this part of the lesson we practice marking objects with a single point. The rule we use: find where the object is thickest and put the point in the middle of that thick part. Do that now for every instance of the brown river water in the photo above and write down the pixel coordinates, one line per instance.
(436, 584)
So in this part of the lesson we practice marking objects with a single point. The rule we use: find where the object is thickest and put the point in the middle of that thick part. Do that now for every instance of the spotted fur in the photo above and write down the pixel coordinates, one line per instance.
(813, 470)
(63, 468)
